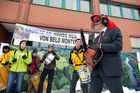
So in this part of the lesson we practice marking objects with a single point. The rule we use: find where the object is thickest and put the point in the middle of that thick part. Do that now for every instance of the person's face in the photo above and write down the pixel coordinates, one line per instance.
(50, 48)
(23, 45)
(34, 54)
(78, 43)
(96, 25)
(6, 50)
(19, 30)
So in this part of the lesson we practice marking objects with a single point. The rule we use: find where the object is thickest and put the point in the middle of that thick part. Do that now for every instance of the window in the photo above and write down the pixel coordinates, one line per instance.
(127, 12)
(79, 5)
(115, 10)
(84, 5)
(103, 8)
(135, 42)
(71, 4)
(35, 44)
(135, 49)
(137, 14)
(40, 2)
(44, 44)
(56, 3)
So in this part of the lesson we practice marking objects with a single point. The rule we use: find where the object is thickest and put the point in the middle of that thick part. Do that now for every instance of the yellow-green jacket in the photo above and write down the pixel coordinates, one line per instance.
(21, 64)
(74, 59)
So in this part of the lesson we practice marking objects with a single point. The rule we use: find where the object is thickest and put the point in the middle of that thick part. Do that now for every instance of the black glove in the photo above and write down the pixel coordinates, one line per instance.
(14, 60)
(41, 61)
(24, 56)
(53, 52)
(28, 71)
(6, 63)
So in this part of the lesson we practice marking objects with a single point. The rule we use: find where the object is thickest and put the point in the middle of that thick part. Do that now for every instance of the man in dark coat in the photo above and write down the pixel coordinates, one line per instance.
(109, 69)
(50, 63)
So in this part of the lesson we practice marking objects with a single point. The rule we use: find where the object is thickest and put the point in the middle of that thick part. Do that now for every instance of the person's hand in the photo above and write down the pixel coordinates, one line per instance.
(53, 52)
(24, 56)
(41, 61)
(14, 60)
(6, 63)
(29, 71)
(95, 45)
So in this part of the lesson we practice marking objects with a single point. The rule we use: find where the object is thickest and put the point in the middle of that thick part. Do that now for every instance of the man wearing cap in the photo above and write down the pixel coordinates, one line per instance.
(50, 63)
(19, 60)
(109, 69)
(33, 68)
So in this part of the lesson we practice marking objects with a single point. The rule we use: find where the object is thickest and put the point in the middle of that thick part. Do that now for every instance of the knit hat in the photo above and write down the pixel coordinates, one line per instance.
(5, 47)
(49, 46)
(34, 51)
(22, 41)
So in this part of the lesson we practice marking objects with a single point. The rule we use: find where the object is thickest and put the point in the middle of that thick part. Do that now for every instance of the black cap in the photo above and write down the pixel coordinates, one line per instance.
(77, 39)
(6, 47)
(22, 41)
(34, 51)
(49, 46)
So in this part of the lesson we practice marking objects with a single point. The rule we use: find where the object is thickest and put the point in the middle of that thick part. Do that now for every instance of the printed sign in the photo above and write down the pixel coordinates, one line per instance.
(24, 32)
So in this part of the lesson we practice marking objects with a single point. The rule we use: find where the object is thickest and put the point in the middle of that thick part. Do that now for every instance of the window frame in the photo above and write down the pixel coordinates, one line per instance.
(63, 5)
(121, 10)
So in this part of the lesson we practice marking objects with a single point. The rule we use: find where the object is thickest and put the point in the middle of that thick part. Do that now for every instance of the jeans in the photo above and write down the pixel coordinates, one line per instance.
(18, 76)
(50, 73)
(74, 80)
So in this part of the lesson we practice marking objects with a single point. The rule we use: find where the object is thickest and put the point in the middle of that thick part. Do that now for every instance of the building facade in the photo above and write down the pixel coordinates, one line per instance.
(72, 15)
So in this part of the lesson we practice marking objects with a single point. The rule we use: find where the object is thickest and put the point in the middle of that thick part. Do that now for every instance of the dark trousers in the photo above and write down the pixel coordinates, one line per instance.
(74, 80)
(50, 73)
(98, 77)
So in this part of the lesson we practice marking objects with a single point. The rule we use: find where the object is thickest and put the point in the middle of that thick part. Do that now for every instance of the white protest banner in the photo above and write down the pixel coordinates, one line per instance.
(24, 32)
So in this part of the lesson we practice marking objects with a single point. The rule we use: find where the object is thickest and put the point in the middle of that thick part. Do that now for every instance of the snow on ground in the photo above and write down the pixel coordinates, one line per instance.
(126, 90)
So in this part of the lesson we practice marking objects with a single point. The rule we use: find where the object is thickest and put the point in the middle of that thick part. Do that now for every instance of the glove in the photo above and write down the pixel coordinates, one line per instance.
(24, 56)
(29, 71)
(6, 63)
(53, 52)
(41, 61)
(14, 60)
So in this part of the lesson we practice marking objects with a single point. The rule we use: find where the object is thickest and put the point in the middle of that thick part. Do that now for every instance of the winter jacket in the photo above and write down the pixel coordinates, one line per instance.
(52, 65)
(21, 64)
(5, 57)
(34, 66)
(78, 61)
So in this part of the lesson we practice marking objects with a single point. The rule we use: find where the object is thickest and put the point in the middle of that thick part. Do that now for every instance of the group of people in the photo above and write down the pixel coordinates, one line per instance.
(22, 61)
(107, 71)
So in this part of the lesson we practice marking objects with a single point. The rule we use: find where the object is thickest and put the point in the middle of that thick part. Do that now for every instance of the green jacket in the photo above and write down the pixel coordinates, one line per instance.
(21, 64)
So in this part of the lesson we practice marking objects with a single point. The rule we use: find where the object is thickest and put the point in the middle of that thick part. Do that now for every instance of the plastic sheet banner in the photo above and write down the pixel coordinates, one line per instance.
(23, 32)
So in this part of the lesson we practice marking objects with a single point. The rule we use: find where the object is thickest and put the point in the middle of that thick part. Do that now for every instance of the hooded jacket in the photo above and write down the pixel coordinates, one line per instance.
(21, 64)
(5, 57)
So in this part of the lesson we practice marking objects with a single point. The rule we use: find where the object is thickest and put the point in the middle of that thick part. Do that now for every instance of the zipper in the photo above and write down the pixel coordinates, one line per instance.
(17, 64)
